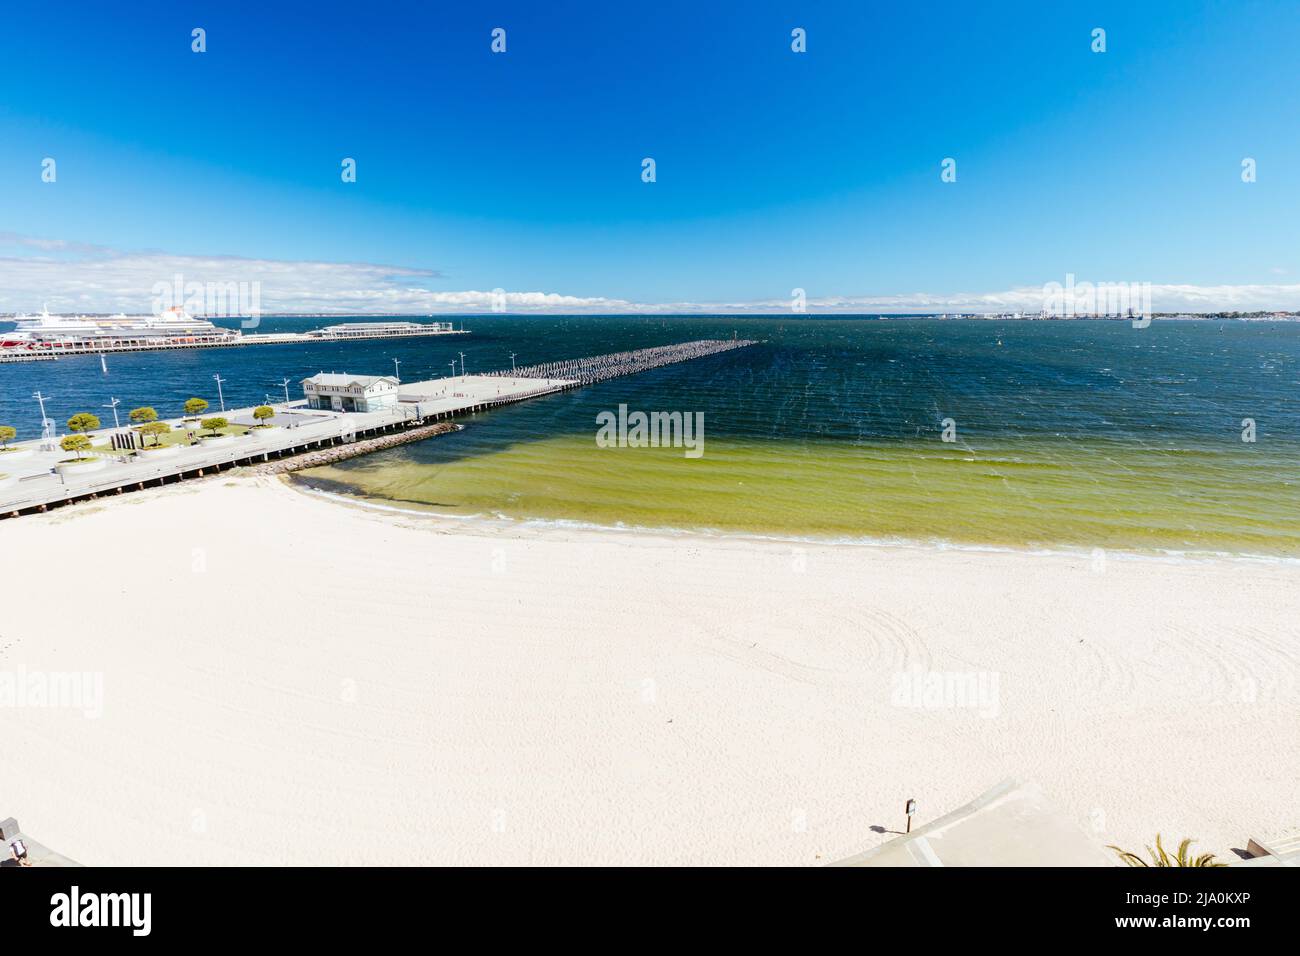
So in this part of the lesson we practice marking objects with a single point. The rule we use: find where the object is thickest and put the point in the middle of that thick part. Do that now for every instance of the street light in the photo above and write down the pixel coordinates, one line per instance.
(512, 362)
(220, 398)
(113, 405)
(41, 399)
(397, 371)
(285, 386)
(462, 364)
(47, 426)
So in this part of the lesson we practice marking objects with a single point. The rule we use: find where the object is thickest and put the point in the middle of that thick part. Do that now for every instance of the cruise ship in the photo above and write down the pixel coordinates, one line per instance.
(45, 336)
(81, 333)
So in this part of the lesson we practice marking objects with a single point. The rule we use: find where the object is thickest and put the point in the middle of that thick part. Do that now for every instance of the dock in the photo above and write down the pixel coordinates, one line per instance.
(35, 480)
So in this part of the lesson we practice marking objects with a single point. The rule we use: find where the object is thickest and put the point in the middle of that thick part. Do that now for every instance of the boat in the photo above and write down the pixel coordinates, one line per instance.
(84, 333)
(49, 336)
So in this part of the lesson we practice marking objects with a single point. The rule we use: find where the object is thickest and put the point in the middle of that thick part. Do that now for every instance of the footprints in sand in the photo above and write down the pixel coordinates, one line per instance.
(1228, 665)
(849, 645)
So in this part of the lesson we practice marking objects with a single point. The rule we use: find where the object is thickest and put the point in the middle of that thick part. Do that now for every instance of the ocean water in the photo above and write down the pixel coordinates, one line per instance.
(1067, 434)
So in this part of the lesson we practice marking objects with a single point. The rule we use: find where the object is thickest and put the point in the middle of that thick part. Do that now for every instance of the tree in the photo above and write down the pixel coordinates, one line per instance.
(142, 416)
(1161, 857)
(214, 425)
(7, 434)
(83, 422)
(77, 443)
(195, 406)
(156, 429)
(263, 412)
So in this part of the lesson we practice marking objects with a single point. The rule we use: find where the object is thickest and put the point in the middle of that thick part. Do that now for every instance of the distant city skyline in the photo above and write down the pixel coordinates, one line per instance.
(516, 179)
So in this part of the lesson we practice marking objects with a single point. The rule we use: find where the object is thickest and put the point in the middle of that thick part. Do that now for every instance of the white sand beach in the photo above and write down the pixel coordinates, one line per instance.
(287, 679)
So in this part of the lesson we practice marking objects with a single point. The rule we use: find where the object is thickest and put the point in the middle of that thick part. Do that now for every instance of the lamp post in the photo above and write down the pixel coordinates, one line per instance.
(512, 363)
(462, 365)
(220, 398)
(285, 386)
(47, 426)
(397, 371)
(113, 405)
(452, 363)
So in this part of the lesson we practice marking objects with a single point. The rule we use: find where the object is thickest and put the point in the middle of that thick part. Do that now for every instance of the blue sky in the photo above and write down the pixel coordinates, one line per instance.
(522, 170)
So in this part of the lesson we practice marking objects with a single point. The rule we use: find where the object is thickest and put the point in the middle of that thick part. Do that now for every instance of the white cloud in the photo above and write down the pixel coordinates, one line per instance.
(71, 276)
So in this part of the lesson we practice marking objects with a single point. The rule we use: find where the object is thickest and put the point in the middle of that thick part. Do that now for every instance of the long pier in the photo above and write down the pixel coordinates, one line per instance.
(42, 477)
(599, 368)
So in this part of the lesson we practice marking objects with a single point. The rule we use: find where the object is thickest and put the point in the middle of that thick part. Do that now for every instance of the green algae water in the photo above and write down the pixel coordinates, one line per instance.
(1065, 434)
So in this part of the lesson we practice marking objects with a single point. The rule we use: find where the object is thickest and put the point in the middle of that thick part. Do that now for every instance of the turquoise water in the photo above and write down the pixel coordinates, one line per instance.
(1079, 434)
(1066, 433)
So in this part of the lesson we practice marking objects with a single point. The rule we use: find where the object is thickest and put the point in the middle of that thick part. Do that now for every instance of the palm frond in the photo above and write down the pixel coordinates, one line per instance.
(1161, 857)
(1132, 859)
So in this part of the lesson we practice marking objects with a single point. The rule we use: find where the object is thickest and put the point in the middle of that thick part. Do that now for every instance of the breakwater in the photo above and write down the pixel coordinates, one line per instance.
(599, 368)
(352, 449)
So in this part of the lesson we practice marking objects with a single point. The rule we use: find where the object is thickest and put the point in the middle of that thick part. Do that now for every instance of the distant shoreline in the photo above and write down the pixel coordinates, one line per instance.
(1280, 316)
